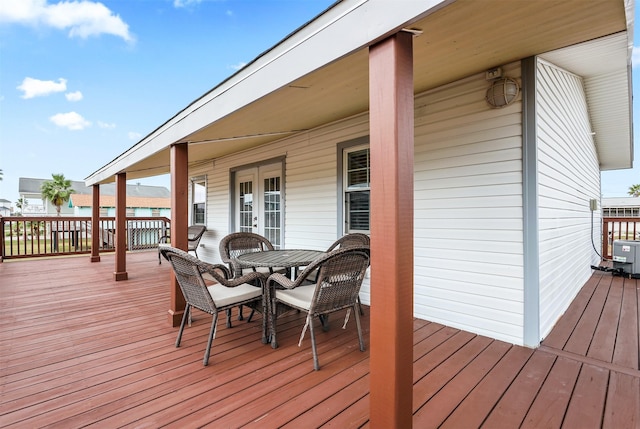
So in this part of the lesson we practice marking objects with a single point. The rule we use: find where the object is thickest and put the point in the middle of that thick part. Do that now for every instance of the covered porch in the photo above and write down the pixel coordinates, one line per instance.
(78, 348)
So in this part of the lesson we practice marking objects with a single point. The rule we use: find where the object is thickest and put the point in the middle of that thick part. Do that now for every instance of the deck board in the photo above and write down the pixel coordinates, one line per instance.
(78, 349)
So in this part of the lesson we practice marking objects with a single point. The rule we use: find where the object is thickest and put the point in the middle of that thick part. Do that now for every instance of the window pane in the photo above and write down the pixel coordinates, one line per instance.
(358, 211)
(358, 169)
(198, 201)
(198, 213)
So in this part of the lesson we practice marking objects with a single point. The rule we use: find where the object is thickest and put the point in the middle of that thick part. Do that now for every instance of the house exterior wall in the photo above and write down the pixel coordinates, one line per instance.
(468, 210)
(568, 177)
(468, 220)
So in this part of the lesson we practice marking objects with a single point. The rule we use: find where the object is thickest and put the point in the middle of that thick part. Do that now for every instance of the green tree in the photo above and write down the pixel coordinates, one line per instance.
(634, 190)
(58, 191)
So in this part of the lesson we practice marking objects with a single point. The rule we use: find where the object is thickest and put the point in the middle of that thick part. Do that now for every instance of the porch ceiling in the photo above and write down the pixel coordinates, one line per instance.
(459, 38)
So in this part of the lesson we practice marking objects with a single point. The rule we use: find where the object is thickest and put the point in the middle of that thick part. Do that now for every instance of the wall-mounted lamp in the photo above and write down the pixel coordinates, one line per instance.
(502, 92)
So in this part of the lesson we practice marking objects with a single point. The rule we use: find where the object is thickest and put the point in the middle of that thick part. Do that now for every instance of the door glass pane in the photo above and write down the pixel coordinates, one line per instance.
(272, 211)
(246, 207)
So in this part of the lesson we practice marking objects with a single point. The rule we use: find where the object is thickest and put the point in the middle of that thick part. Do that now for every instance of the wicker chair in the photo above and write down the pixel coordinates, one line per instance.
(215, 298)
(339, 277)
(194, 235)
(352, 239)
(239, 243)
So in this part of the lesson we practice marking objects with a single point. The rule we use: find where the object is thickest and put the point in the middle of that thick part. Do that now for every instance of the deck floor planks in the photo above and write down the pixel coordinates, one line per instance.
(627, 347)
(99, 353)
(586, 407)
(479, 403)
(582, 335)
(512, 407)
(549, 406)
(623, 397)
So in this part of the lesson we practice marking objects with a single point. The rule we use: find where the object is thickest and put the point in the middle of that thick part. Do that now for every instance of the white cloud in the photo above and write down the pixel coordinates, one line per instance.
(185, 3)
(38, 88)
(72, 121)
(134, 136)
(106, 125)
(74, 96)
(82, 18)
(238, 66)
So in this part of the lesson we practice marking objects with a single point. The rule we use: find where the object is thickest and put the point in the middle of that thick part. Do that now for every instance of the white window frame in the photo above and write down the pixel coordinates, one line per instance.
(344, 149)
(198, 197)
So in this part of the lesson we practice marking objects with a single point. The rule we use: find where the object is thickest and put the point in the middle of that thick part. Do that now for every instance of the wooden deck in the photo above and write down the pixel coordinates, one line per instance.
(79, 349)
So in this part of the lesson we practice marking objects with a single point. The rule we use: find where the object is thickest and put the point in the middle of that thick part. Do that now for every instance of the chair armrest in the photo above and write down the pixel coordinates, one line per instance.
(282, 280)
(234, 282)
(163, 239)
(206, 267)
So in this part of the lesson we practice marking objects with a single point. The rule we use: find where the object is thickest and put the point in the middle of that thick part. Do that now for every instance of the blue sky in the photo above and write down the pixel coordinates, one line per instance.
(82, 81)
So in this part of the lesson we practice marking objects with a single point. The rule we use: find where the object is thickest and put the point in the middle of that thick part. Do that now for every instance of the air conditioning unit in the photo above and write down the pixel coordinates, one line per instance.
(626, 257)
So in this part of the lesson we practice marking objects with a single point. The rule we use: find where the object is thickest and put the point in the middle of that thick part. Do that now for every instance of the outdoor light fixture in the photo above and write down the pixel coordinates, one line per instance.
(502, 92)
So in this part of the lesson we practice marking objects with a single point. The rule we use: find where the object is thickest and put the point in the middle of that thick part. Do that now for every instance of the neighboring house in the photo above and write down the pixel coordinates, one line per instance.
(136, 206)
(5, 207)
(621, 207)
(501, 196)
(145, 200)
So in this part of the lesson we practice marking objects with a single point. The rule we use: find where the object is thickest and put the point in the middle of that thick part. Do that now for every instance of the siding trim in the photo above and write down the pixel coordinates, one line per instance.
(531, 233)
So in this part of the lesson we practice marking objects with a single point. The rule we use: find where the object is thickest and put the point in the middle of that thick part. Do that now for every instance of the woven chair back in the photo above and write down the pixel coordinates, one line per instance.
(190, 280)
(339, 279)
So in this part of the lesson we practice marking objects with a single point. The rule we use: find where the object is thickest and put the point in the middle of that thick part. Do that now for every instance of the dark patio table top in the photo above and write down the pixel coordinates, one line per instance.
(279, 258)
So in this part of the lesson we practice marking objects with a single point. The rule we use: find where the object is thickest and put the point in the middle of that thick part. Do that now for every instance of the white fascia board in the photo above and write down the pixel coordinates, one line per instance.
(343, 29)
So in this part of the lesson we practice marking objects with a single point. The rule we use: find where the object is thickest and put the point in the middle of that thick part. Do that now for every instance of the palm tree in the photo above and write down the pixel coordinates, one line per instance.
(58, 191)
(22, 203)
(1, 173)
(634, 190)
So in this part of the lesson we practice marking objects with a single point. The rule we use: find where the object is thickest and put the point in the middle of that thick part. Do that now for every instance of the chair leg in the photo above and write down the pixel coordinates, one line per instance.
(357, 314)
(316, 363)
(187, 310)
(274, 317)
(159, 258)
(360, 306)
(229, 318)
(212, 335)
(240, 316)
(250, 315)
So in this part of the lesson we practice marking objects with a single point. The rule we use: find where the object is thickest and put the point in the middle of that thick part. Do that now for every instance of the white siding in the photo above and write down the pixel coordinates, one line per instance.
(568, 178)
(468, 210)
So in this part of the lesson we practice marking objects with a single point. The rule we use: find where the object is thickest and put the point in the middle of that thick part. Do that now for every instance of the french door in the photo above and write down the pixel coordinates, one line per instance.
(258, 201)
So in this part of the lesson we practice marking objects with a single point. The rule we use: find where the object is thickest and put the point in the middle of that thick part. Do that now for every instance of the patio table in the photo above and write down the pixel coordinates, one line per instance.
(279, 258)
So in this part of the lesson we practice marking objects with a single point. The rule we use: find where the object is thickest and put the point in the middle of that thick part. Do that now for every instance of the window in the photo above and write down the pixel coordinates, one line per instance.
(356, 188)
(130, 212)
(198, 200)
(155, 212)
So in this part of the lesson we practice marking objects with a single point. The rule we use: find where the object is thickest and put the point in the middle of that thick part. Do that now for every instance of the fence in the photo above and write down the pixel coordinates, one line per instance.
(37, 236)
(618, 228)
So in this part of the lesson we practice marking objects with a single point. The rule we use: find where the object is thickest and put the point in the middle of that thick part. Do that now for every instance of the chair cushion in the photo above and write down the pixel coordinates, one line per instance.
(299, 297)
(224, 296)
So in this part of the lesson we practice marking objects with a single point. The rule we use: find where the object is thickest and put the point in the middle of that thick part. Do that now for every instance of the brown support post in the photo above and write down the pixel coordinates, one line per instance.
(121, 228)
(95, 224)
(179, 222)
(391, 133)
